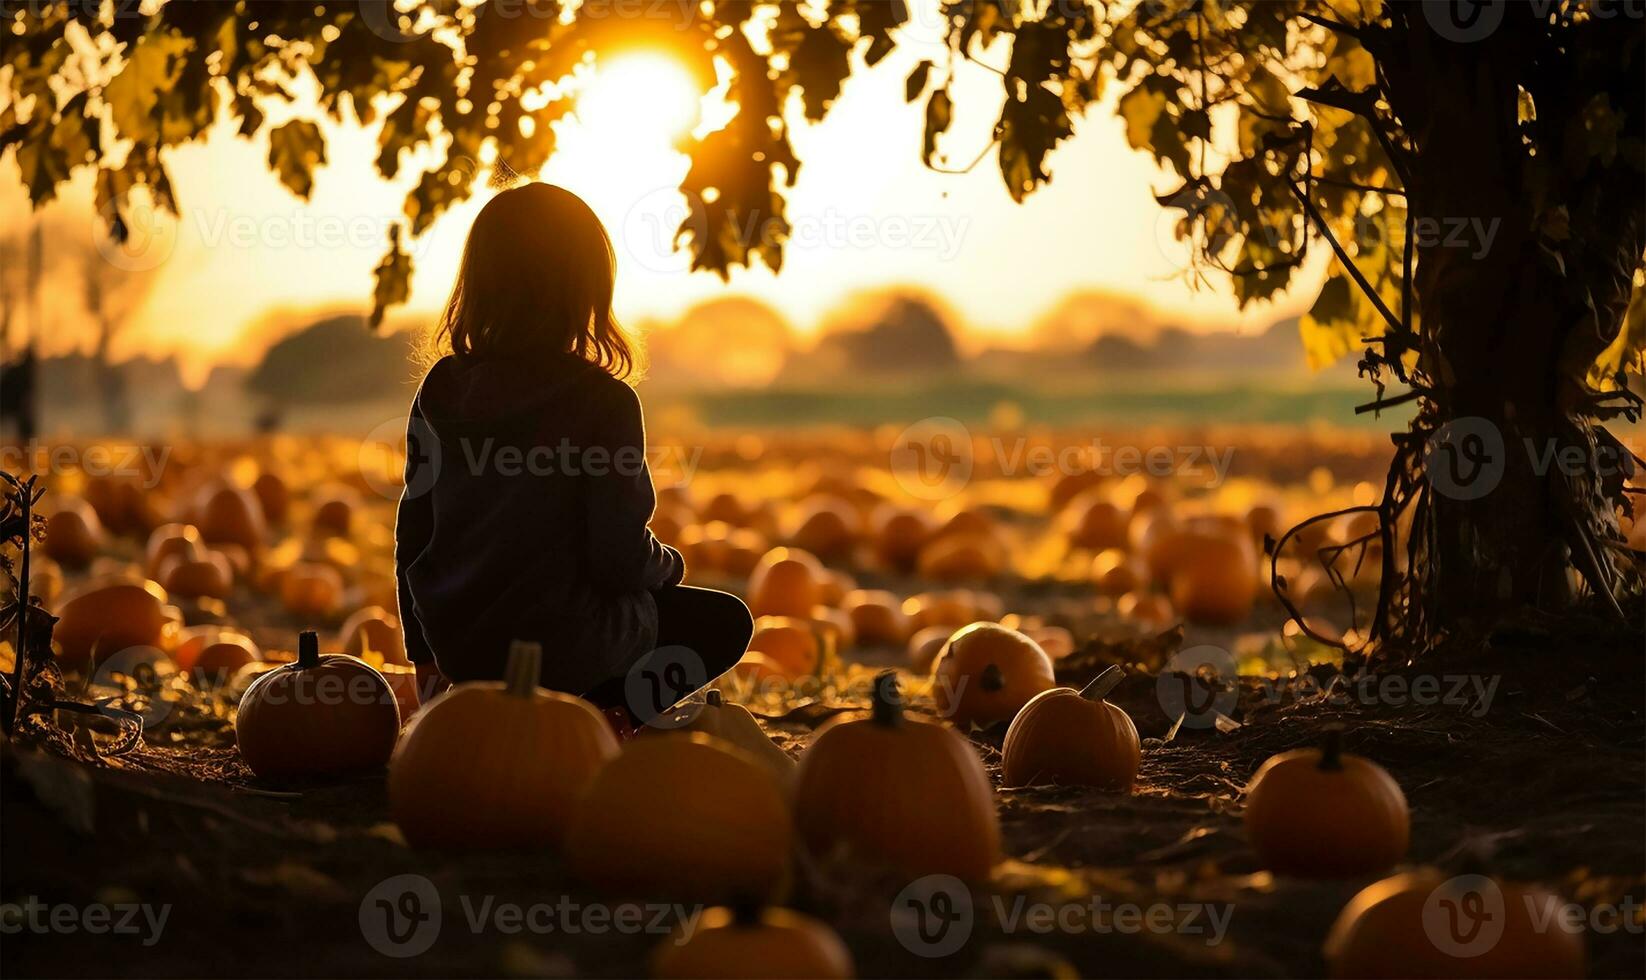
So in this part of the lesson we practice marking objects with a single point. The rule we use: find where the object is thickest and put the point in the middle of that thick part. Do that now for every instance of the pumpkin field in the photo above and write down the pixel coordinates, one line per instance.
(1047, 723)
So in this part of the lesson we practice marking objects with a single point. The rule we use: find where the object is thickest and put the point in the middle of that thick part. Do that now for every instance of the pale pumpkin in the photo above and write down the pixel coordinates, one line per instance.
(492, 764)
(1390, 929)
(716, 716)
(1073, 738)
(374, 629)
(1323, 813)
(321, 716)
(692, 817)
(745, 943)
(897, 790)
(987, 672)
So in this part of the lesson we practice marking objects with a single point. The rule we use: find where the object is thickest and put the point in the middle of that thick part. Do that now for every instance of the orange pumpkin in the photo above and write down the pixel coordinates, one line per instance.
(898, 790)
(899, 533)
(207, 576)
(321, 716)
(218, 662)
(790, 643)
(1116, 572)
(173, 541)
(987, 672)
(877, 617)
(310, 590)
(1399, 927)
(745, 943)
(691, 817)
(724, 507)
(787, 582)
(743, 550)
(274, 497)
(833, 587)
(1072, 485)
(334, 513)
(74, 535)
(1323, 813)
(758, 672)
(376, 630)
(232, 515)
(827, 526)
(834, 628)
(1148, 609)
(925, 645)
(492, 764)
(1073, 738)
(1216, 582)
(101, 619)
(1097, 523)
(961, 557)
(716, 716)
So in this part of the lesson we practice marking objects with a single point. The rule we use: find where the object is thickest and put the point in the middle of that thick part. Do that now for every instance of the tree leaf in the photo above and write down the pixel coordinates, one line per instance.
(153, 65)
(295, 149)
(939, 114)
(917, 81)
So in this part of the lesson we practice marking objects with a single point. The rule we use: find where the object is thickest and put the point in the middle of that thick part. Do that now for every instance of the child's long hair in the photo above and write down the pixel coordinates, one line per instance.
(536, 279)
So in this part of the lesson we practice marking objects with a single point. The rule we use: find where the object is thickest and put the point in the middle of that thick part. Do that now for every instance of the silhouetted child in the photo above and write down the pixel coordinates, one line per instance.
(527, 491)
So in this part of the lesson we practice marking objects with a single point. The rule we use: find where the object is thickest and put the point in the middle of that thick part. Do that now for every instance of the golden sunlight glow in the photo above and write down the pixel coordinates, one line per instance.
(638, 100)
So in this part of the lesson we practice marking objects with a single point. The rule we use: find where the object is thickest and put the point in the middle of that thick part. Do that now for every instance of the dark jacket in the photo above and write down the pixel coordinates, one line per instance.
(524, 517)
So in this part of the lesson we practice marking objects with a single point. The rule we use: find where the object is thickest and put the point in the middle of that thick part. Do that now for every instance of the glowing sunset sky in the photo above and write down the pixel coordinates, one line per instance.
(866, 214)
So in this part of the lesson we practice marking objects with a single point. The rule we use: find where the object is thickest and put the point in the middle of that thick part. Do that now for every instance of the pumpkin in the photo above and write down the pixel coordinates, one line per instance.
(1097, 524)
(723, 507)
(961, 557)
(1397, 928)
(716, 716)
(705, 546)
(1057, 641)
(834, 585)
(334, 513)
(74, 535)
(1263, 520)
(787, 582)
(232, 515)
(756, 671)
(172, 541)
(375, 630)
(897, 790)
(1323, 813)
(1117, 573)
(692, 817)
(218, 662)
(745, 943)
(925, 645)
(899, 533)
(986, 672)
(101, 619)
(497, 764)
(744, 548)
(273, 495)
(790, 643)
(835, 627)
(1072, 485)
(1073, 738)
(1216, 582)
(207, 575)
(1148, 609)
(311, 590)
(876, 616)
(320, 716)
(827, 526)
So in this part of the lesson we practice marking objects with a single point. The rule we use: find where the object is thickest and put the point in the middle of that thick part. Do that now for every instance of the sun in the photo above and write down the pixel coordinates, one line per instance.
(640, 99)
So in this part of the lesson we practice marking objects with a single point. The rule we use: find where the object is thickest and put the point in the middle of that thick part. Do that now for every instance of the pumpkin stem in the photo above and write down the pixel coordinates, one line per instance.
(991, 678)
(886, 701)
(1331, 749)
(1103, 683)
(713, 698)
(521, 673)
(308, 649)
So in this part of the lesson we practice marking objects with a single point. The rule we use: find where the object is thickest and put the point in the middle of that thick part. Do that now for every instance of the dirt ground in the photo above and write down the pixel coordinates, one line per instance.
(1545, 779)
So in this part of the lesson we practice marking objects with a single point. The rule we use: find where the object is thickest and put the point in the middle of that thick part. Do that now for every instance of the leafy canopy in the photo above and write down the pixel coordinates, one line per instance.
(1271, 114)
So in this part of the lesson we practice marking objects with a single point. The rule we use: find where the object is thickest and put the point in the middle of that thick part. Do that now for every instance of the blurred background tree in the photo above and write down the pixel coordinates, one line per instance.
(1477, 176)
